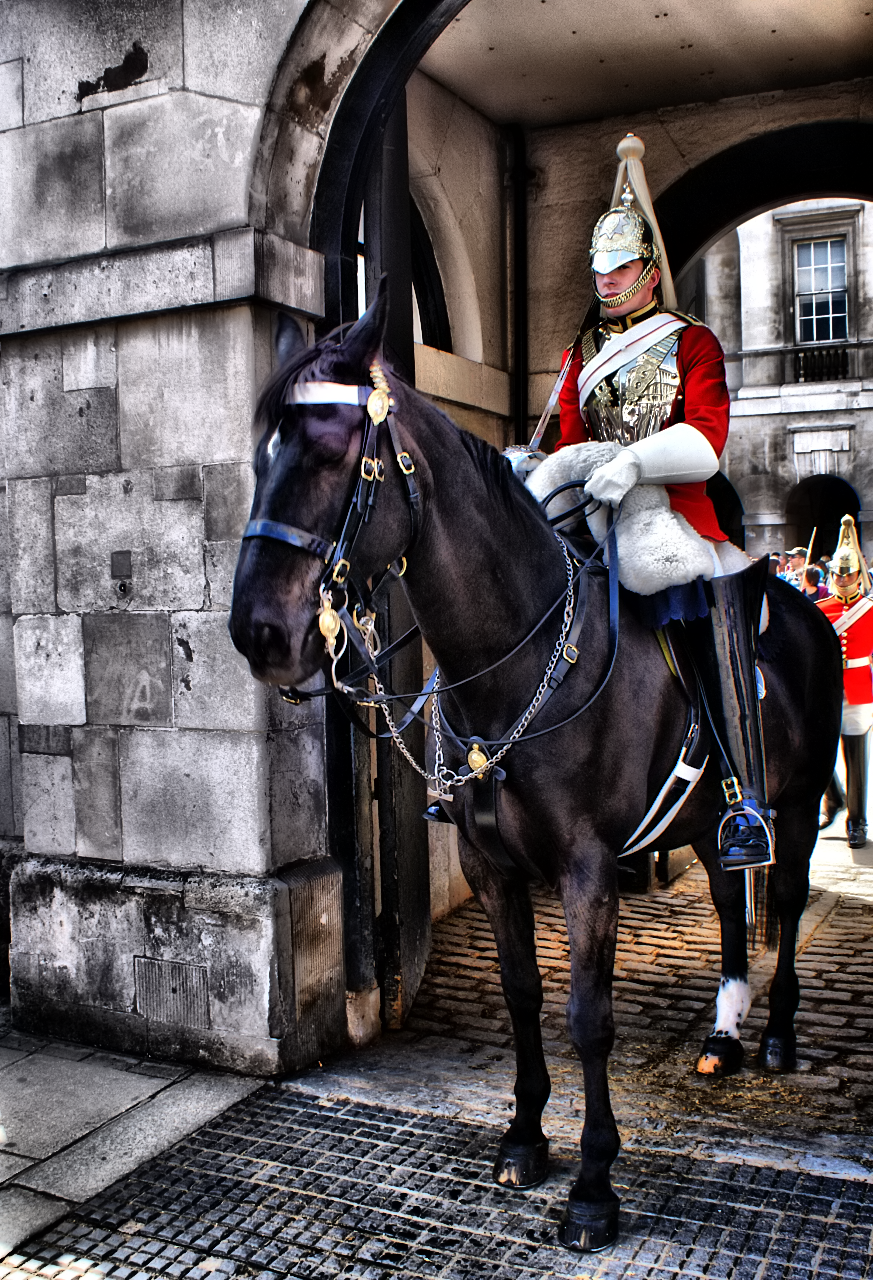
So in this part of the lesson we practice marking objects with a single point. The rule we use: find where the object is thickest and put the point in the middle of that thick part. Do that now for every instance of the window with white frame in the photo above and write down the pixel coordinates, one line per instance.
(820, 290)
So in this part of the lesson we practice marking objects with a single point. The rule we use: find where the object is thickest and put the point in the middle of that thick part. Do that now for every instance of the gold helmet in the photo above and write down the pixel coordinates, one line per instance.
(848, 558)
(629, 229)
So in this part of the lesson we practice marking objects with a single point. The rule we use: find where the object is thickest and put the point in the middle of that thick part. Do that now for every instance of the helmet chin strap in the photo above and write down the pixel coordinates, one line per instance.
(625, 296)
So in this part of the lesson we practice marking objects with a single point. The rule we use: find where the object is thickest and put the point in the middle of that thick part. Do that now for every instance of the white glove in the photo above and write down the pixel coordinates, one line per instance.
(522, 460)
(614, 479)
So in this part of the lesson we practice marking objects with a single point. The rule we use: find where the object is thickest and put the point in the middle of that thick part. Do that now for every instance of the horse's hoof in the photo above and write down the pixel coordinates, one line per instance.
(520, 1166)
(722, 1056)
(777, 1054)
(589, 1227)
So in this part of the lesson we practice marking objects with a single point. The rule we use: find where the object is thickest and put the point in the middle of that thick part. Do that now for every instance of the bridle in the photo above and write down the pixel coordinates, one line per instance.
(336, 620)
(341, 620)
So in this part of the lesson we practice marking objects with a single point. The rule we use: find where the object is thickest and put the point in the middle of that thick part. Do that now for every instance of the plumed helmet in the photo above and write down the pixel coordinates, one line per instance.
(848, 558)
(629, 228)
(621, 236)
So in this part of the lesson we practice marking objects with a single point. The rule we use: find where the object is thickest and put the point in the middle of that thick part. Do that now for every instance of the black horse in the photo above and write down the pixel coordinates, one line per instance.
(484, 566)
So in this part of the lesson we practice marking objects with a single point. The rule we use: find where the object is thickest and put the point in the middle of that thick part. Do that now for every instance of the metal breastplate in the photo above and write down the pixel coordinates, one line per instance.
(635, 401)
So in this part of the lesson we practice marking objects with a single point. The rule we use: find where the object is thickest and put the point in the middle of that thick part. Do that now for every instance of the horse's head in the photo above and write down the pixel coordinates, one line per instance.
(306, 467)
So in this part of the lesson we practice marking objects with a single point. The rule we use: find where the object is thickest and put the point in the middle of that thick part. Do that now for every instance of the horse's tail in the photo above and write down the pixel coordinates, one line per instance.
(765, 923)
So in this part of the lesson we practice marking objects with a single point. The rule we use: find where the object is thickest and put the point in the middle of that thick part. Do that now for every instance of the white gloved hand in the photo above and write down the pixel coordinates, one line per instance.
(523, 460)
(614, 479)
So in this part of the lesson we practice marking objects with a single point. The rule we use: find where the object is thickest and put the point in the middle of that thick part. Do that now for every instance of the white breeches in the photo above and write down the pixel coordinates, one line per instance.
(857, 720)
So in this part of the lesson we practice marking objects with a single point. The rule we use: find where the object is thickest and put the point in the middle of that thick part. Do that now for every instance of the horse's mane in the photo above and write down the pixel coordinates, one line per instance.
(320, 363)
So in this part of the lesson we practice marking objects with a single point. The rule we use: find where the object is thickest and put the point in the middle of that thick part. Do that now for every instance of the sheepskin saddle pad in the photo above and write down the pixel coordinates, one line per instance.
(657, 547)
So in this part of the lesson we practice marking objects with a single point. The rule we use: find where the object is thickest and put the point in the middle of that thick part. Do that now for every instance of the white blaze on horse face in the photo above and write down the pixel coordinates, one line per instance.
(732, 1006)
(273, 445)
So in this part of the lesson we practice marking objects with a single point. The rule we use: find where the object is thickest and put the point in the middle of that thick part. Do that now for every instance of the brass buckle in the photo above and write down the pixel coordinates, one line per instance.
(363, 625)
(571, 653)
(286, 696)
(733, 791)
(372, 469)
(407, 466)
(340, 572)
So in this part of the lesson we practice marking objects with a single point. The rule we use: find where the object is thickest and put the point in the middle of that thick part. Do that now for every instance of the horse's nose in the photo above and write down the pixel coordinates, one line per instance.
(264, 644)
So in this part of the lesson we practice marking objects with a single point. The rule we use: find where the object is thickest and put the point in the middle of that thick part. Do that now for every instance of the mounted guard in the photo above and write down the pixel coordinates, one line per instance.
(644, 412)
(850, 609)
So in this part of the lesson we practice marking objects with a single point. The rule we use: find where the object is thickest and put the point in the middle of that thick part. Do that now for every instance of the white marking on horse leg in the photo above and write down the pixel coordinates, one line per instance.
(732, 1006)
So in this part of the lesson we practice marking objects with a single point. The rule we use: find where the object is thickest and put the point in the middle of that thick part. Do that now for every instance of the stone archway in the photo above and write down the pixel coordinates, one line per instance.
(774, 168)
(819, 502)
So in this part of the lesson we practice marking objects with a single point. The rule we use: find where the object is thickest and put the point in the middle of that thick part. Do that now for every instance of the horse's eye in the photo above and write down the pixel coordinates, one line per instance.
(327, 441)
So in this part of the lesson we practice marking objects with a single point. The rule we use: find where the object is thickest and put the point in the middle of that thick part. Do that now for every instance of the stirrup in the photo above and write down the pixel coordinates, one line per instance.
(746, 838)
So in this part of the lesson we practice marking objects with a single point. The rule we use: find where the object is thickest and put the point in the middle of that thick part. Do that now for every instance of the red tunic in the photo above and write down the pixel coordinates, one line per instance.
(857, 645)
(702, 401)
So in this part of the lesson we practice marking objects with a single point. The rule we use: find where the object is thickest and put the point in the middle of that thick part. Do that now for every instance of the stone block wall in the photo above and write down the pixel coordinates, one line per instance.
(173, 811)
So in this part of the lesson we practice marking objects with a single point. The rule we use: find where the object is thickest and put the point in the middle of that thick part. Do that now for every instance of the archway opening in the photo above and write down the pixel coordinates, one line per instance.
(819, 503)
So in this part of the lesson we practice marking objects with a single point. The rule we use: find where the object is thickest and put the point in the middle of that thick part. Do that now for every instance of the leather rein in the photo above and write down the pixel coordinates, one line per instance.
(341, 621)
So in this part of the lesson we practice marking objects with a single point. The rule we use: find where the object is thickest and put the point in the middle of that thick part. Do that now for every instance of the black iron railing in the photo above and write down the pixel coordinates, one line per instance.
(821, 364)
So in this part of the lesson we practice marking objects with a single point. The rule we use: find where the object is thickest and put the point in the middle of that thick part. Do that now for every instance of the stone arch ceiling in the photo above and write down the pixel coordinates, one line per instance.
(547, 62)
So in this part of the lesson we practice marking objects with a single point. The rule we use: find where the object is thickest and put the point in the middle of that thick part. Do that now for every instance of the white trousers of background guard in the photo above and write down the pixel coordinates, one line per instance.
(857, 720)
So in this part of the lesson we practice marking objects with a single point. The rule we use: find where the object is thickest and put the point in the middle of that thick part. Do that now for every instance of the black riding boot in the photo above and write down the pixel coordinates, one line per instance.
(855, 756)
(724, 648)
(834, 801)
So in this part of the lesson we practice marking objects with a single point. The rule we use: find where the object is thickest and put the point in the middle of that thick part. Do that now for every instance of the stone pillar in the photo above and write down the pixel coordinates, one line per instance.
(176, 896)
(724, 303)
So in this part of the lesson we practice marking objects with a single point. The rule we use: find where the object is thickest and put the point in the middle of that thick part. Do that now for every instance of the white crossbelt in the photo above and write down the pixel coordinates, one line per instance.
(623, 347)
(857, 611)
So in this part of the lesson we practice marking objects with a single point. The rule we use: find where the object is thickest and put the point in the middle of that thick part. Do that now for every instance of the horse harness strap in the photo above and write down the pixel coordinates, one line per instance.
(337, 555)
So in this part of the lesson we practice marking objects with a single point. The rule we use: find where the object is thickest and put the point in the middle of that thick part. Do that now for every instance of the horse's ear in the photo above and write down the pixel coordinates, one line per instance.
(363, 342)
(290, 339)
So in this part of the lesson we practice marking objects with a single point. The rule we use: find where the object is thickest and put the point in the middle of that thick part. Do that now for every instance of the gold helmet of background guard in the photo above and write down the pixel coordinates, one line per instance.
(848, 557)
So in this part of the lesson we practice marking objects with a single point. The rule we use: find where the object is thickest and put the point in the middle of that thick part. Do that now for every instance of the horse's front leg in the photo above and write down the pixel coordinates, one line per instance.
(590, 897)
(523, 1156)
(722, 1052)
(796, 834)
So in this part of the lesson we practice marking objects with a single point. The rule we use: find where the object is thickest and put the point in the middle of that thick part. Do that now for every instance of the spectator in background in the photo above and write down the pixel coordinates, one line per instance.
(812, 584)
(796, 561)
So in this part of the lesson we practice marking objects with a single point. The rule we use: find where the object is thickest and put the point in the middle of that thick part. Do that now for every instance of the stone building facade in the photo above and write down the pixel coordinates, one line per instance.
(193, 865)
(798, 455)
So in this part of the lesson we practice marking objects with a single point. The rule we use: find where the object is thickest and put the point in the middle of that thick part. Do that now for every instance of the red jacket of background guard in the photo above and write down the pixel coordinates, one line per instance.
(857, 644)
(702, 401)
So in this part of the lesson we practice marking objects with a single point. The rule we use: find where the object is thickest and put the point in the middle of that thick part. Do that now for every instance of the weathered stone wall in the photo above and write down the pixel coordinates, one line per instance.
(175, 889)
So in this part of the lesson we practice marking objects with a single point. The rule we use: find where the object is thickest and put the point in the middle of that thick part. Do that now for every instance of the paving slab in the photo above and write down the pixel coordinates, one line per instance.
(11, 1165)
(24, 1212)
(47, 1102)
(117, 1148)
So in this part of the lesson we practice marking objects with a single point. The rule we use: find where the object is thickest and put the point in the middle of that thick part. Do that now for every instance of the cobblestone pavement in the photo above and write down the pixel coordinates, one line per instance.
(378, 1164)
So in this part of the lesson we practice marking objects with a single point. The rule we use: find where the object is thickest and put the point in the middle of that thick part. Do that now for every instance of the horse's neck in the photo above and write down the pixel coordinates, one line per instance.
(484, 571)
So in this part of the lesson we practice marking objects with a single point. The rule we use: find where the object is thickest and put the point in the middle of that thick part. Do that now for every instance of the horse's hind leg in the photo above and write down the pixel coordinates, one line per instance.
(722, 1052)
(796, 834)
(590, 898)
(523, 1157)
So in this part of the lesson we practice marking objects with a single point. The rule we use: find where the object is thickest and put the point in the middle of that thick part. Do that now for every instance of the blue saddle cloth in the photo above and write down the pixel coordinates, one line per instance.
(674, 604)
